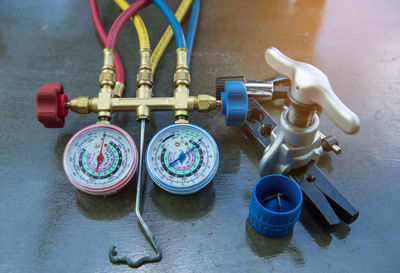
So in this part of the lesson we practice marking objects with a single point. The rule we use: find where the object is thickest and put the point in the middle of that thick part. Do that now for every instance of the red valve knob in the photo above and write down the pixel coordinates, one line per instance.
(50, 105)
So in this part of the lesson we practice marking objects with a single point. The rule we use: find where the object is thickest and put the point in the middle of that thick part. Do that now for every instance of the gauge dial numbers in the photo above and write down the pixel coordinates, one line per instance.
(100, 159)
(182, 158)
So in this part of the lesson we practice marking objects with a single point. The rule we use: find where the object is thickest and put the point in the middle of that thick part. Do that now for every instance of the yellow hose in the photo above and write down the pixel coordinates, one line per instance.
(165, 38)
(144, 41)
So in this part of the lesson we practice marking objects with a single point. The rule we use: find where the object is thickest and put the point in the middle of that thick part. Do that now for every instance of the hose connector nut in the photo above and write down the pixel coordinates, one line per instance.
(205, 103)
(144, 77)
(182, 76)
(107, 77)
(80, 105)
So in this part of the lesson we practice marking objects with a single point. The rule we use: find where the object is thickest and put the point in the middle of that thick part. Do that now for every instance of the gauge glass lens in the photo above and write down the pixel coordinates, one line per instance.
(100, 158)
(182, 158)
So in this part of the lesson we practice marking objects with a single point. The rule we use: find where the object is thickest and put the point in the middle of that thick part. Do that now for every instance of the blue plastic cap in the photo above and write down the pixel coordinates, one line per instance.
(275, 205)
(223, 103)
(234, 103)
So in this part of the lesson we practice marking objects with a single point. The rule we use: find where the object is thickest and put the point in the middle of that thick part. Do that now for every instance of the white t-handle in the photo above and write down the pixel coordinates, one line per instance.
(311, 86)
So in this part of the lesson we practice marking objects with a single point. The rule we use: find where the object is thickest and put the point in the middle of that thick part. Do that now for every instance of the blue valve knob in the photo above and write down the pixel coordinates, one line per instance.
(234, 103)
(275, 205)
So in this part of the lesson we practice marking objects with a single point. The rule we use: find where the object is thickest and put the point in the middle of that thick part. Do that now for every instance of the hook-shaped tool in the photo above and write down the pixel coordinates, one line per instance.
(113, 254)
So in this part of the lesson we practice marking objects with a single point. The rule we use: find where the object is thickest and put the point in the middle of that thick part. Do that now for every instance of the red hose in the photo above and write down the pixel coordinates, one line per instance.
(122, 19)
(94, 11)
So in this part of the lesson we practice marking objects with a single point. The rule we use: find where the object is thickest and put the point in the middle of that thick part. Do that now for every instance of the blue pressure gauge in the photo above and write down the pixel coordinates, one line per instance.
(182, 158)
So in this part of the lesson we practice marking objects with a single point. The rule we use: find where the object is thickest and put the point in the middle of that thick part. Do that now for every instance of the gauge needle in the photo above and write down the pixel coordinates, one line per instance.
(182, 155)
(180, 158)
(100, 157)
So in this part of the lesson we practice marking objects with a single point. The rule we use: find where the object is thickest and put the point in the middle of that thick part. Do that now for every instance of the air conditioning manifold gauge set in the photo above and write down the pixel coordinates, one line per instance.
(183, 158)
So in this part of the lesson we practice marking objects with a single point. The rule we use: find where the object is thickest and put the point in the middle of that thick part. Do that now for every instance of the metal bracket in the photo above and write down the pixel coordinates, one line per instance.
(327, 203)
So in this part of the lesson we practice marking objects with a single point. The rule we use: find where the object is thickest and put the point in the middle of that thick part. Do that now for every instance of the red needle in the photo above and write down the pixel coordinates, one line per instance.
(100, 157)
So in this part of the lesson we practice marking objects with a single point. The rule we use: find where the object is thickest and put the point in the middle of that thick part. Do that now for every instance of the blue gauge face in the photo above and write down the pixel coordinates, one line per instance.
(182, 158)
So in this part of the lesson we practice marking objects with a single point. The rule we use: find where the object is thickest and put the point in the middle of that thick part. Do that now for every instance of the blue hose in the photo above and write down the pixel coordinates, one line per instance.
(191, 32)
(176, 27)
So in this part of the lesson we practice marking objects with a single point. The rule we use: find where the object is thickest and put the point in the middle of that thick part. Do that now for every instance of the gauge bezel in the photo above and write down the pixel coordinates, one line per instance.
(115, 187)
(188, 190)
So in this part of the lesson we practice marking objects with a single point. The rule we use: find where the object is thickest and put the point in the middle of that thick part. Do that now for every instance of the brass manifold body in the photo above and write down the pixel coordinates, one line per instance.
(109, 98)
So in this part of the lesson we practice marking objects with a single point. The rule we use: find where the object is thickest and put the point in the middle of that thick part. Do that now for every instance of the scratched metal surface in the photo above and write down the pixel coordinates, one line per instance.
(46, 225)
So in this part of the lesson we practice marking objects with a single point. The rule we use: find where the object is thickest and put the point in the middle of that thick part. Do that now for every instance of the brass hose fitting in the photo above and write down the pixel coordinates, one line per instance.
(107, 75)
(82, 105)
(205, 103)
(182, 75)
(144, 76)
(107, 83)
(109, 99)
(118, 90)
(182, 82)
(144, 80)
(104, 104)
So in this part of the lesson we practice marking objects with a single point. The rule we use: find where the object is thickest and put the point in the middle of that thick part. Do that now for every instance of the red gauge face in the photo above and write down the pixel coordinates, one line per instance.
(100, 159)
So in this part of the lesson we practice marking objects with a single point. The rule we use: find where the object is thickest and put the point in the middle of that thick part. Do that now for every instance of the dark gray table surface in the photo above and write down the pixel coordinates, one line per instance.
(46, 225)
